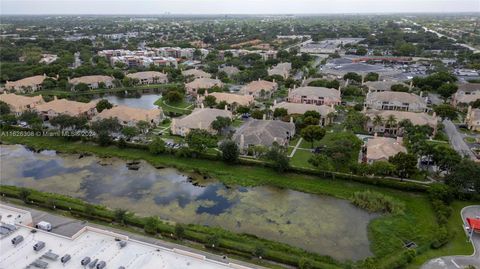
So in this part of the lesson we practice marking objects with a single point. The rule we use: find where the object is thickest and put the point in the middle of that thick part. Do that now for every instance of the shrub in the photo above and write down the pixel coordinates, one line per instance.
(377, 202)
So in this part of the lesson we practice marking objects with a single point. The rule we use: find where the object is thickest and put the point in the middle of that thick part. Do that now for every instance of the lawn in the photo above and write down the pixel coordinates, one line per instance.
(458, 245)
(300, 159)
(386, 233)
(182, 107)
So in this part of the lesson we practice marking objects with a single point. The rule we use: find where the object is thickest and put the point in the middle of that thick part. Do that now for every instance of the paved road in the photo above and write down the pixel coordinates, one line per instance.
(456, 140)
(68, 226)
(460, 262)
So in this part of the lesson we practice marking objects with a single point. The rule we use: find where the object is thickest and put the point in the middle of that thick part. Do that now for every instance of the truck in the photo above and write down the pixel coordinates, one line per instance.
(43, 225)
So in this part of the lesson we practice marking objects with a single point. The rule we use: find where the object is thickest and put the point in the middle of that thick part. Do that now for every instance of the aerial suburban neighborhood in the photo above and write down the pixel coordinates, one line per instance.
(239, 141)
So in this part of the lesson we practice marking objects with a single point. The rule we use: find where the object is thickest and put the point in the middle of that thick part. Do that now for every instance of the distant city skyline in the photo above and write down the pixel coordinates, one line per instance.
(159, 7)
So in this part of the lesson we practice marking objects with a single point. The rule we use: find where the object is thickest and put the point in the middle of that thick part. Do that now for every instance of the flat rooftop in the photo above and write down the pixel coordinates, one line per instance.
(97, 244)
(90, 242)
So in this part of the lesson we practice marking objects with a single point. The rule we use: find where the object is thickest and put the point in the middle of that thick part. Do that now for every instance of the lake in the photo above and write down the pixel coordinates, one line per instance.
(317, 223)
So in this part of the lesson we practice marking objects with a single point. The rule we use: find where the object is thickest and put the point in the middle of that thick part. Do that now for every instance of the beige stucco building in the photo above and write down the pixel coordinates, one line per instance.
(130, 116)
(200, 118)
(19, 103)
(149, 77)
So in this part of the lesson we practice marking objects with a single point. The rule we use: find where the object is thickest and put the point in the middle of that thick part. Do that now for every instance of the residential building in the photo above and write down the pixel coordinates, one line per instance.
(149, 77)
(314, 95)
(229, 70)
(259, 89)
(473, 119)
(26, 84)
(263, 132)
(200, 118)
(382, 86)
(387, 121)
(382, 148)
(58, 107)
(202, 83)
(19, 103)
(281, 69)
(130, 116)
(326, 112)
(48, 58)
(467, 93)
(196, 73)
(93, 82)
(231, 98)
(402, 101)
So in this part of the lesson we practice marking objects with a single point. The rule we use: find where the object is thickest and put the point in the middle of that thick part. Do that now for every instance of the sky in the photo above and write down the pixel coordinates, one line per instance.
(40, 7)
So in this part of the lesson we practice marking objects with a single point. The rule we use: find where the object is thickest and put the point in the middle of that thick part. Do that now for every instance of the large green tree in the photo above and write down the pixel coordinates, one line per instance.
(312, 133)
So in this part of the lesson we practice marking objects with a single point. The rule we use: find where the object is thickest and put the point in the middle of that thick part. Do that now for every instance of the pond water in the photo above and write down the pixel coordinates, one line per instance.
(320, 224)
(145, 101)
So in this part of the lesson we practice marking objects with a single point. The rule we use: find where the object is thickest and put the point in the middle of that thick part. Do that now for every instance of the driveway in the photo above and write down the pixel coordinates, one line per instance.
(457, 262)
(456, 140)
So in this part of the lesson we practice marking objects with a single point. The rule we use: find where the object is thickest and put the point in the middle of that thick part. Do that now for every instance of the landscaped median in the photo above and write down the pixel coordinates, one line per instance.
(387, 234)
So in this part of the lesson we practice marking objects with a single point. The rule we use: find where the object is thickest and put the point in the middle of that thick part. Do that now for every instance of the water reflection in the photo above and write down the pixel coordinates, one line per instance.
(316, 223)
(145, 101)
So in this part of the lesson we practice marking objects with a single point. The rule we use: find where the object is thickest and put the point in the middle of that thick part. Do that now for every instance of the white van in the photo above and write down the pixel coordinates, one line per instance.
(43, 225)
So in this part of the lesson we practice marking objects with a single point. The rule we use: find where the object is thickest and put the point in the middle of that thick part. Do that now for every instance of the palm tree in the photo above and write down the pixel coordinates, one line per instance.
(391, 121)
(377, 121)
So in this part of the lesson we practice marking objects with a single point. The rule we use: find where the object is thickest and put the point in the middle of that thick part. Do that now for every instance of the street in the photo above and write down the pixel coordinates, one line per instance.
(456, 140)
(456, 262)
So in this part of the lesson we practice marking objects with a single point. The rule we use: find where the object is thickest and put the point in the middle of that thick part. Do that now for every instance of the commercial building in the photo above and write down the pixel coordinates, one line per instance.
(89, 243)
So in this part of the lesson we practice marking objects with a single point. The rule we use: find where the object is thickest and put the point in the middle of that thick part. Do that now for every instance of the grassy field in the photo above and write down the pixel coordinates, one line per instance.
(387, 233)
(458, 244)
(182, 107)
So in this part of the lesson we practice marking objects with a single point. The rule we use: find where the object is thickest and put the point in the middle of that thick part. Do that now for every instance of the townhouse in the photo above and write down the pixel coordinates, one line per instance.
(314, 95)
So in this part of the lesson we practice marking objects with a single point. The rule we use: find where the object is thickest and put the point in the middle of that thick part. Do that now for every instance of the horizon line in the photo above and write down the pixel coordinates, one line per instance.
(238, 14)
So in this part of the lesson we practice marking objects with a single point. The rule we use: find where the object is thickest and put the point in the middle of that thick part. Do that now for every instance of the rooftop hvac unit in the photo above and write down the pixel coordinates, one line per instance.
(39, 246)
(101, 265)
(122, 244)
(93, 263)
(39, 264)
(85, 261)
(17, 240)
(65, 258)
(50, 255)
